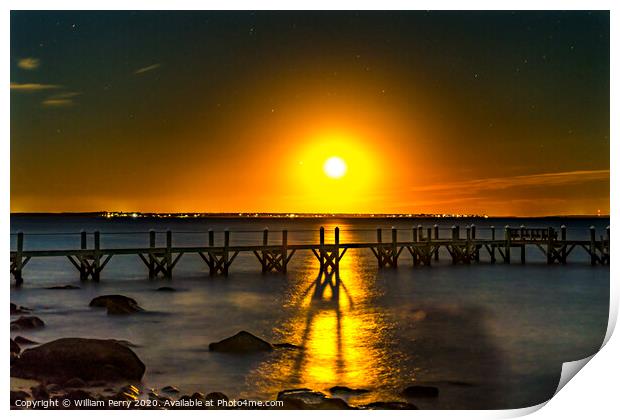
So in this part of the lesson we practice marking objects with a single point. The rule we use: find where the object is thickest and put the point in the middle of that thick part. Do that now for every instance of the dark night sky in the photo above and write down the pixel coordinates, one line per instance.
(485, 112)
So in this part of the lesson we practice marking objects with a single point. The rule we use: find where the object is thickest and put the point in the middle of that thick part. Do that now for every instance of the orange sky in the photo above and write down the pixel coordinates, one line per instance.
(155, 122)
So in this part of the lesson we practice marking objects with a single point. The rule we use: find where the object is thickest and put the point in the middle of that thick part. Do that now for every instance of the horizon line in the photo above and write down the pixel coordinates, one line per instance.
(120, 214)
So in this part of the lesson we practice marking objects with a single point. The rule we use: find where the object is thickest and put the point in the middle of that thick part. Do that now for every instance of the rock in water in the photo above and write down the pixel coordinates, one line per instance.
(421, 391)
(27, 323)
(17, 310)
(216, 396)
(166, 289)
(242, 342)
(14, 347)
(346, 390)
(84, 358)
(24, 341)
(116, 304)
(306, 399)
(289, 346)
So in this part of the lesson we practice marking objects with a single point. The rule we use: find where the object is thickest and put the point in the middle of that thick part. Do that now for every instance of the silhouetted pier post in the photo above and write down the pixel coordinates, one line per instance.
(168, 255)
(379, 253)
(414, 240)
(394, 250)
(81, 258)
(455, 237)
(337, 253)
(436, 232)
(151, 259)
(507, 244)
(273, 259)
(492, 252)
(17, 262)
(328, 256)
(387, 255)
(476, 246)
(226, 247)
(97, 256)
(549, 245)
(284, 252)
(263, 259)
(564, 246)
(593, 256)
(522, 234)
(468, 246)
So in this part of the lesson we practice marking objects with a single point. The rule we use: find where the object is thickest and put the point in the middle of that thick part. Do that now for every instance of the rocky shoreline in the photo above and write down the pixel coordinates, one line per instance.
(81, 373)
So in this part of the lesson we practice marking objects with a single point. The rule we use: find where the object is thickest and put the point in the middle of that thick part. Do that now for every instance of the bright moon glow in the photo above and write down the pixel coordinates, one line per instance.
(335, 167)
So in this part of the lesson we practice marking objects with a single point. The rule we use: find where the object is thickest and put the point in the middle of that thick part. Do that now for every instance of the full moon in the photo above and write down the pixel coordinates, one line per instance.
(335, 167)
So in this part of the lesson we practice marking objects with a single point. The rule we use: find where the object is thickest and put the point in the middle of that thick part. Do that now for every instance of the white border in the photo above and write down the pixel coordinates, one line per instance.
(592, 395)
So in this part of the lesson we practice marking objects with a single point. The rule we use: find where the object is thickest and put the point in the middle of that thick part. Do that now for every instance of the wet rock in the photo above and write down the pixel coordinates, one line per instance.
(78, 395)
(346, 390)
(306, 399)
(65, 287)
(215, 397)
(170, 389)
(75, 383)
(166, 289)
(84, 358)
(390, 405)
(18, 310)
(18, 396)
(423, 391)
(54, 387)
(27, 323)
(24, 341)
(116, 304)
(286, 346)
(198, 396)
(124, 396)
(242, 342)
(40, 392)
(15, 347)
(131, 390)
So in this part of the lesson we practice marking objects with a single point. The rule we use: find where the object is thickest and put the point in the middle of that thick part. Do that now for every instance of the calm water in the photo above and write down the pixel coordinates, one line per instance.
(490, 336)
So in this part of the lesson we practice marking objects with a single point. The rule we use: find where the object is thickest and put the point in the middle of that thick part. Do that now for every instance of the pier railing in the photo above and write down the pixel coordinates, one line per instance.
(422, 243)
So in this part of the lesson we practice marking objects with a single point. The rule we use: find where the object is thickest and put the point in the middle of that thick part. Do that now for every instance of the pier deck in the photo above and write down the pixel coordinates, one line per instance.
(424, 246)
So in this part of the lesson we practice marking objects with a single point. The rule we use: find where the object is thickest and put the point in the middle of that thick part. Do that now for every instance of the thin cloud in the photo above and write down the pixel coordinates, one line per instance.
(57, 103)
(59, 100)
(33, 87)
(544, 179)
(28, 63)
(65, 95)
(147, 68)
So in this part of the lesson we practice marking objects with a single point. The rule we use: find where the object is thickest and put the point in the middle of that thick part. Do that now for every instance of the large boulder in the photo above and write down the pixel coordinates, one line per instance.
(18, 310)
(84, 358)
(116, 304)
(306, 399)
(14, 347)
(27, 323)
(242, 342)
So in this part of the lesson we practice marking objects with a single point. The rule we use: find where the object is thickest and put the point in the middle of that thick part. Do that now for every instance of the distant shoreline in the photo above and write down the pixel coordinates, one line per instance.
(165, 215)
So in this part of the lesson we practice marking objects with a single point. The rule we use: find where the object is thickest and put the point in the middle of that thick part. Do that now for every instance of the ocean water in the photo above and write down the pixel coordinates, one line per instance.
(489, 336)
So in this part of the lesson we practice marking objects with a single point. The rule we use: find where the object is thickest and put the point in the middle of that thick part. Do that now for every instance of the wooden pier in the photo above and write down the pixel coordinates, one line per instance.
(423, 244)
